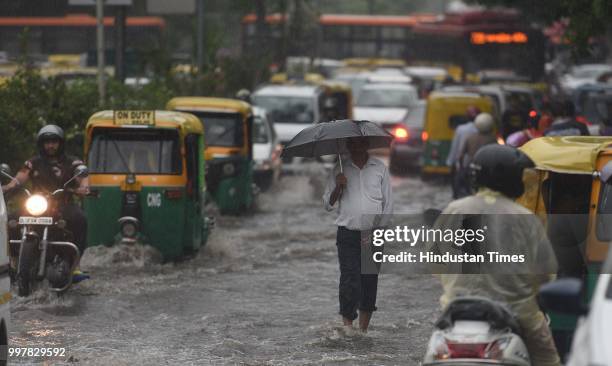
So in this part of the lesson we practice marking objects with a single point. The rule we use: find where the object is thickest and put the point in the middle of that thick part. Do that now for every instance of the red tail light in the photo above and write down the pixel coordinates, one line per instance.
(424, 136)
(467, 350)
(400, 133)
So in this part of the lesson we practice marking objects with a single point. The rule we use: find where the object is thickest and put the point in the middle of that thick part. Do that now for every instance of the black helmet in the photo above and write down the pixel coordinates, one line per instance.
(500, 168)
(50, 132)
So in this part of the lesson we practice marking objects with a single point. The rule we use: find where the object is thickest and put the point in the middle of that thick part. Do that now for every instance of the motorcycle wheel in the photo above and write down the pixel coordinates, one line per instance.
(26, 269)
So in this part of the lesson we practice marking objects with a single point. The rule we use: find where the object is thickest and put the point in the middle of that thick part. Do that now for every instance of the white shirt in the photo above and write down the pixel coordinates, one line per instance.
(366, 201)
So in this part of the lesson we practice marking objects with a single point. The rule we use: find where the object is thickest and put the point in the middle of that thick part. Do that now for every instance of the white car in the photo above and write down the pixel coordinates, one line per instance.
(266, 150)
(290, 107)
(593, 336)
(582, 75)
(5, 284)
(385, 103)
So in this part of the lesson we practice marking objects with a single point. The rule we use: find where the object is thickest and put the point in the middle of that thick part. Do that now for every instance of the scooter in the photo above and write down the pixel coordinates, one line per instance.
(39, 257)
(476, 331)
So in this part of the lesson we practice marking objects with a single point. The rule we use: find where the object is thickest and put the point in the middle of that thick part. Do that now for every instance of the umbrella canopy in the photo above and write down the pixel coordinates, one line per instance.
(327, 138)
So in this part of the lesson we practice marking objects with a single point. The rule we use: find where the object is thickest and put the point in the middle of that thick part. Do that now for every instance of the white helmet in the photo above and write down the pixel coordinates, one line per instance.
(484, 123)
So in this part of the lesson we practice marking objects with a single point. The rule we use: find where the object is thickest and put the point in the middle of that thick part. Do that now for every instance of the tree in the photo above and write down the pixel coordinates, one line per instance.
(587, 18)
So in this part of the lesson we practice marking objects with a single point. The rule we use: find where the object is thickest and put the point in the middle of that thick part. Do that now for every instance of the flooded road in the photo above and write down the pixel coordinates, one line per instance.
(262, 292)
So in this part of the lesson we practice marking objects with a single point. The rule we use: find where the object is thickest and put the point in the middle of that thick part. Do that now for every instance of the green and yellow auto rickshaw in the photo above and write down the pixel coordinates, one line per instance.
(147, 181)
(229, 149)
(572, 178)
(445, 112)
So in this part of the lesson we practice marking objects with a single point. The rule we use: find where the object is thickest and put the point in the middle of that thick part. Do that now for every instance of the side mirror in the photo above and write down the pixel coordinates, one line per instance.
(563, 296)
(81, 171)
(5, 170)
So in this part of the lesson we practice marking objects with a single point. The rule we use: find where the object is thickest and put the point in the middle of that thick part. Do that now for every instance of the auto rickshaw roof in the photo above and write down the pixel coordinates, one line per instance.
(187, 122)
(567, 154)
(210, 104)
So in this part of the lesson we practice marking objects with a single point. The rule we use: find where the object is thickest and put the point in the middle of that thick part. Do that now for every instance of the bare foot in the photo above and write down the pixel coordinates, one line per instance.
(364, 320)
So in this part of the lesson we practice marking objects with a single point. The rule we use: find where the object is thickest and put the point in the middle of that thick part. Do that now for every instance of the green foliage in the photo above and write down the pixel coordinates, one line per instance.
(587, 18)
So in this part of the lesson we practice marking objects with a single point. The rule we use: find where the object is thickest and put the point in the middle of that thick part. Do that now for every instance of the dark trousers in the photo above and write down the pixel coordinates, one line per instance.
(76, 222)
(356, 290)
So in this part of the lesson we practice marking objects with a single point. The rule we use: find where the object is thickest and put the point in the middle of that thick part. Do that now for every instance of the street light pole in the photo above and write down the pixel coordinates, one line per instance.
(100, 49)
(200, 36)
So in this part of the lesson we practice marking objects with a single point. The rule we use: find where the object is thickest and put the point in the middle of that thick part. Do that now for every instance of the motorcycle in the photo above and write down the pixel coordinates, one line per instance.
(476, 331)
(38, 256)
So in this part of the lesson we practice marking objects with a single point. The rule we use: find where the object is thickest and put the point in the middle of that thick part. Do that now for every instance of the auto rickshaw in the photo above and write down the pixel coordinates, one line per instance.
(147, 181)
(575, 170)
(229, 149)
(446, 111)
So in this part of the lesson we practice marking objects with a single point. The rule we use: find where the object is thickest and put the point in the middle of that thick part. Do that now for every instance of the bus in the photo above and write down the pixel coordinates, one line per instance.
(478, 41)
(76, 34)
(346, 36)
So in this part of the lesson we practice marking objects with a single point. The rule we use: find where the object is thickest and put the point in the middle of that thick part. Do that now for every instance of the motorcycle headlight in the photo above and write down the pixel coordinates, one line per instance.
(129, 229)
(36, 205)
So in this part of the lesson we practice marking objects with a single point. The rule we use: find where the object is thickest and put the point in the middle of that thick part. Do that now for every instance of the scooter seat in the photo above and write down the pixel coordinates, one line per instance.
(495, 313)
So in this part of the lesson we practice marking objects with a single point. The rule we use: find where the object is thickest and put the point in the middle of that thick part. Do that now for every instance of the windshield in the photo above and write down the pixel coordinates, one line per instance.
(260, 131)
(283, 109)
(221, 129)
(589, 73)
(386, 98)
(138, 151)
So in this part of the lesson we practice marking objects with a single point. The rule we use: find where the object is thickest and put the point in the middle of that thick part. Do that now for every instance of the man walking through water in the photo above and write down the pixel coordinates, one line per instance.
(362, 191)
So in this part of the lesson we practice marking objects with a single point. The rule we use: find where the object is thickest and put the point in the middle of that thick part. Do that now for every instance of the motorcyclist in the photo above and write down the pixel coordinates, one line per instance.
(244, 95)
(49, 171)
(497, 172)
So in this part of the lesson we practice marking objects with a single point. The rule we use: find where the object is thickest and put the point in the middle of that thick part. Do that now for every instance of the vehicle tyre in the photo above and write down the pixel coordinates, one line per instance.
(3, 344)
(26, 269)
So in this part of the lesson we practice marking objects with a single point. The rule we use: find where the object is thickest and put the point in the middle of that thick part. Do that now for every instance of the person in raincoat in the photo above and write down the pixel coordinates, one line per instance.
(510, 228)
(362, 194)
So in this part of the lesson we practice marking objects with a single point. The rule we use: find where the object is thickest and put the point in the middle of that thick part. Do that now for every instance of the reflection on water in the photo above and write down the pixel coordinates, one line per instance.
(262, 292)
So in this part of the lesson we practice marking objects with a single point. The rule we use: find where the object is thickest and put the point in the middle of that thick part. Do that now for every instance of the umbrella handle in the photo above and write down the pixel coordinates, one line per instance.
(339, 156)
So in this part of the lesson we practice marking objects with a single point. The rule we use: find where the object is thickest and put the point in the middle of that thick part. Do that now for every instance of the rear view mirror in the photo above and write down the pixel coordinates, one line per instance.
(5, 171)
(81, 171)
(5, 168)
(563, 296)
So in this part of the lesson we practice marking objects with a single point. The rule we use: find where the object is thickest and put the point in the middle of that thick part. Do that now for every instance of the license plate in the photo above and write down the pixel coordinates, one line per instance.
(27, 220)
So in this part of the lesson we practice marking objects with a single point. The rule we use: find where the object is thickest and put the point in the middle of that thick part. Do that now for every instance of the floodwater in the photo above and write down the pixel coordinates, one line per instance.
(262, 292)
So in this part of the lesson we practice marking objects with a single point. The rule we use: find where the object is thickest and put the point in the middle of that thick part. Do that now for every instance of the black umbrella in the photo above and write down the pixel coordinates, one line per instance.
(327, 138)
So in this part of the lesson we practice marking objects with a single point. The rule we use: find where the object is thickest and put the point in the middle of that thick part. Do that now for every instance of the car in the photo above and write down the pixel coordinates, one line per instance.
(291, 108)
(592, 103)
(5, 283)
(266, 150)
(407, 144)
(582, 75)
(591, 341)
(385, 103)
